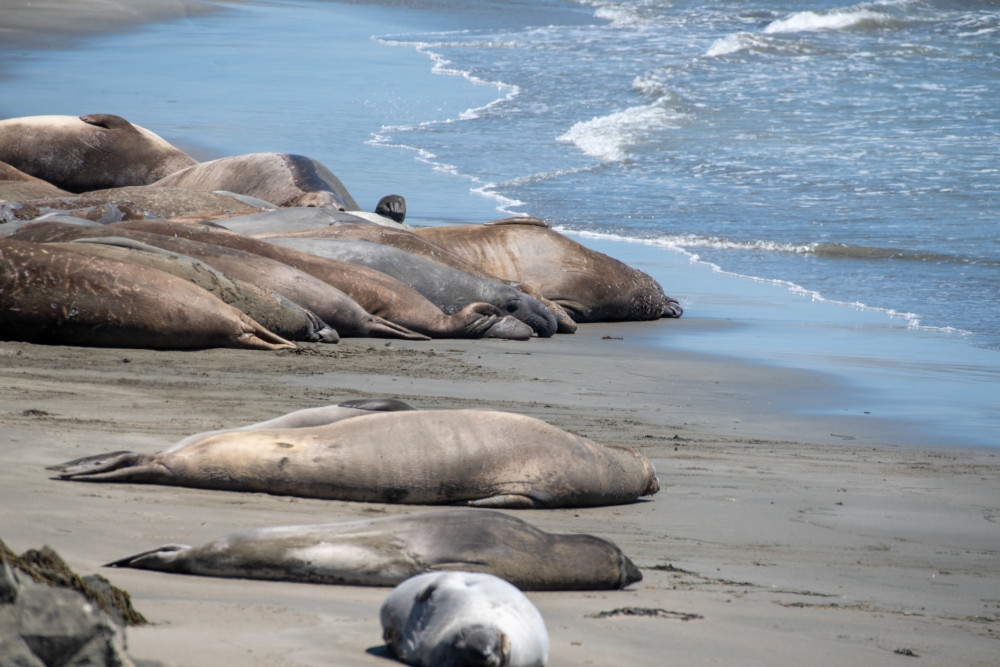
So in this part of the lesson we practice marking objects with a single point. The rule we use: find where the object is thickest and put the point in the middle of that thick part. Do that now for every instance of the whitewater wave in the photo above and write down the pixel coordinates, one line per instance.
(679, 245)
(862, 16)
(609, 137)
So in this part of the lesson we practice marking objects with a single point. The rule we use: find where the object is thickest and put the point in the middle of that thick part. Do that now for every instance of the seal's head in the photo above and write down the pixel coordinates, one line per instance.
(392, 207)
(474, 646)
(532, 312)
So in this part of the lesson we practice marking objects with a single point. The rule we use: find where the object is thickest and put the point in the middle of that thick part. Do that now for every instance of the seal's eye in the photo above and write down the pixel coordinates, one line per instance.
(513, 305)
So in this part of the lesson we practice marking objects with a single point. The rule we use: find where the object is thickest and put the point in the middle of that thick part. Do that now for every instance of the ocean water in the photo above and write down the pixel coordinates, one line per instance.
(825, 174)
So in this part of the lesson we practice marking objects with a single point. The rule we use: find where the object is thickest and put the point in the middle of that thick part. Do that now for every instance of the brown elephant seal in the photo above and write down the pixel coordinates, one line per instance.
(386, 551)
(589, 285)
(175, 202)
(17, 186)
(378, 293)
(423, 457)
(272, 311)
(418, 245)
(307, 418)
(331, 305)
(279, 178)
(88, 153)
(55, 296)
(463, 619)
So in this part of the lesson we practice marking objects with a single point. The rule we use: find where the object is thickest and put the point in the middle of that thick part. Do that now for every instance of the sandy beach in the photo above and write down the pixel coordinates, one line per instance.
(783, 534)
(789, 542)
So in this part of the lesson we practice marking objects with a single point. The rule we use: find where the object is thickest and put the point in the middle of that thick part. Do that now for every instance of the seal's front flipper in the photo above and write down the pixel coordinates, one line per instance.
(100, 463)
(510, 501)
(381, 328)
(161, 558)
(378, 404)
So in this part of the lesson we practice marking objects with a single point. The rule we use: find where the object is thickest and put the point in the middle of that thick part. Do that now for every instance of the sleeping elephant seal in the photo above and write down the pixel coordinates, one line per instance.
(384, 552)
(328, 303)
(447, 288)
(50, 295)
(88, 153)
(591, 286)
(279, 178)
(272, 311)
(463, 619)
(423, 457)
(376, 292)
(308, 417)
(417, 245)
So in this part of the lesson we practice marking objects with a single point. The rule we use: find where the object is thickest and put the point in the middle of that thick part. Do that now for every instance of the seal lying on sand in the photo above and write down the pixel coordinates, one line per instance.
(50, 295)
(463, 619)
(279, 178)
(330, 304)
(376, 292)
(309, 417)
(416, 245)
(445, 287)
(384, 552)
(272, 311)
(472, 457)
(591, 286)
(88, 153)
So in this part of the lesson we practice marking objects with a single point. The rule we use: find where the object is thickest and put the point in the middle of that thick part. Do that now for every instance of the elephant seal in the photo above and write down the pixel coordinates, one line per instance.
(376, 292)
(307, 418)
(50, 295)
(392, 207)
(447, 288)
(291, 219)
(479, 458)
(279, 178)
(386, 551)
(174, 202)
(589, 285)
(463, 619)
(417, 245)
(88, 153)
(331, 305)
(272, 311)
(17, 186)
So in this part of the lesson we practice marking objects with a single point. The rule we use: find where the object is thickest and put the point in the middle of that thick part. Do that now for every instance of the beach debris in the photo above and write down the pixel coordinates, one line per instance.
(647, 611)
(906, 652)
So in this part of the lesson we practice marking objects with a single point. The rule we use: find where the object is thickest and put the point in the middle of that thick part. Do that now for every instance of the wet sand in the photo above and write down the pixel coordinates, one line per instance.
(789, 542)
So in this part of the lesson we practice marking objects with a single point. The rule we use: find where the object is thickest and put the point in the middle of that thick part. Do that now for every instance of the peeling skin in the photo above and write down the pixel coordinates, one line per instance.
(589, 285)
(428, 457)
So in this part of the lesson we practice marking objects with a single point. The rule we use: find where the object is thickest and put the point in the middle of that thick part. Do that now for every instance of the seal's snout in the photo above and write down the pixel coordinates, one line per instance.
(672, 309)
(481, 646)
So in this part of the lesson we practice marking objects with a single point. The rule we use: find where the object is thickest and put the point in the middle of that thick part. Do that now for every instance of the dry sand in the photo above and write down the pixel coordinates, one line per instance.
(792, 544)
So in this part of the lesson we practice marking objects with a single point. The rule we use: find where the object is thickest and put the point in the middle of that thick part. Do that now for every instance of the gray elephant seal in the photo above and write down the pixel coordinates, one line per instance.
(463, 619)
(589, 285)
(386, 551)
(449, 289)
(55, 296)
(330, 304)
(279, 178)
(378, 293)
(88, 153)
(416, 245)
(472, 457)
(272, 311)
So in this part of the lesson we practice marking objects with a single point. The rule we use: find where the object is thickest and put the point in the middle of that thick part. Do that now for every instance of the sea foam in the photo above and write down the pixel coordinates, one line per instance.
(609, 138)
(840, 19)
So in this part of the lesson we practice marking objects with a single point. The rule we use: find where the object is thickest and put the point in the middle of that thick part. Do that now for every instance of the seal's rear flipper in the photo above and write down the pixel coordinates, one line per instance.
(378, 404)
(154, 559)
(510, 501)
(100, 463)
